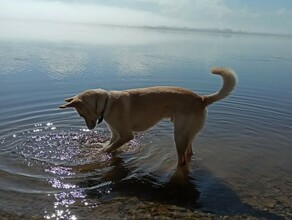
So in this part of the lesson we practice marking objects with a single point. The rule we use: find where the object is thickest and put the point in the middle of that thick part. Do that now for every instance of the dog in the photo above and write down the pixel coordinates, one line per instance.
(135, 110)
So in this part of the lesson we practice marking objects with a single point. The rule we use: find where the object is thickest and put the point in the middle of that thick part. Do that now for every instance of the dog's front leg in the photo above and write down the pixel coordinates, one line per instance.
(119, 142)
(114, 136)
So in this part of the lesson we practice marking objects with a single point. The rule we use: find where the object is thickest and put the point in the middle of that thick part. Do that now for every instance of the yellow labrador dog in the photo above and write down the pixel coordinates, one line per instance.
(136, 110)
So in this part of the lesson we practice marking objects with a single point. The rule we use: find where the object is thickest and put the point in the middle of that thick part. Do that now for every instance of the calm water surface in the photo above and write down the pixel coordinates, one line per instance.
(51, 165)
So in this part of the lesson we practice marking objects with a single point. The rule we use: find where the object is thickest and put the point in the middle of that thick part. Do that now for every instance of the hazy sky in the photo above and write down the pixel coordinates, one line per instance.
(273, 16)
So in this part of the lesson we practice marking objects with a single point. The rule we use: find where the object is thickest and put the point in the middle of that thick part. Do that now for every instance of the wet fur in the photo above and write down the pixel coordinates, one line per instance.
(134, 110)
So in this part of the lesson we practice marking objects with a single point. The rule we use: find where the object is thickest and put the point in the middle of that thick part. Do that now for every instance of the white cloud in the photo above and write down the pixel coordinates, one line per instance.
(218, 14)
(80, 13)
(192, 13)
(284, 12)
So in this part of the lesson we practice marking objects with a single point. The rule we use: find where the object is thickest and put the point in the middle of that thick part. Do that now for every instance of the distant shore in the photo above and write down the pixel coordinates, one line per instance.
(164, 28)
(214, 30)
(190, 29)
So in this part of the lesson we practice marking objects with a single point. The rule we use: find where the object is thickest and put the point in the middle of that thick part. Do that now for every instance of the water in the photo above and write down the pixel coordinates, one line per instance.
(51, 165)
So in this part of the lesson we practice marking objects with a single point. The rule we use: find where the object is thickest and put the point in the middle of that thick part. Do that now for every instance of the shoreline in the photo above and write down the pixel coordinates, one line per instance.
(134, 208)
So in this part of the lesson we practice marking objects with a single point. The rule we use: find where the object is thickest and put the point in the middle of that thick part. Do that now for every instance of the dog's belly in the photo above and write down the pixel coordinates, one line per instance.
(148, 122)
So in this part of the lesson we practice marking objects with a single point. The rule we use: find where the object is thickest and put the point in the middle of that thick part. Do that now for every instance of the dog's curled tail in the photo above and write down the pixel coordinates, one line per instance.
(229, 82)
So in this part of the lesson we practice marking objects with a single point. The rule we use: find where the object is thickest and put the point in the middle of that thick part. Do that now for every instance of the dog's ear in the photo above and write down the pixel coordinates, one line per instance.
(69, 99)
(74, 103)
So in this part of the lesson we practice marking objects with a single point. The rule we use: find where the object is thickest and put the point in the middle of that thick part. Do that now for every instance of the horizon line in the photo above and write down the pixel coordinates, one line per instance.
(164, 28)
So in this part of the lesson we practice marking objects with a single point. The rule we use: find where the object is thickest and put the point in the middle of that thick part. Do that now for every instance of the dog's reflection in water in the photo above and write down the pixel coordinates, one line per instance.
(179, 189)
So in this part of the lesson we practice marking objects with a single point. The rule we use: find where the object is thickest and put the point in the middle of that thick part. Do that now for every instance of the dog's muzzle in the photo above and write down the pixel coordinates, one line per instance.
(90, 124)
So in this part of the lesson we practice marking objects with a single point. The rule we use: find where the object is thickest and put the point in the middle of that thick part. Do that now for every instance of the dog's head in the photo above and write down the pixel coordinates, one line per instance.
(90, 105)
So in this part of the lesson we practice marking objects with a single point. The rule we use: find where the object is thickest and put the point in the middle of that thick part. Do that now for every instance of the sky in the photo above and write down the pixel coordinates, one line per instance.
(269, 16)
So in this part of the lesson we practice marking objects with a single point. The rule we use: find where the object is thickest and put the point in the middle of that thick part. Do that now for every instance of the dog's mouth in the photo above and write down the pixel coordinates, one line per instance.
(90, 124)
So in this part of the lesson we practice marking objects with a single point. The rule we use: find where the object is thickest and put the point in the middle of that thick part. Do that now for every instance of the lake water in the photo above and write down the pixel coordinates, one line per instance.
(51, 166)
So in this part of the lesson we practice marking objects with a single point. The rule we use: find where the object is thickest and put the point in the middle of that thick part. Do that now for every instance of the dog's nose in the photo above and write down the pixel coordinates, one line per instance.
(90, 124)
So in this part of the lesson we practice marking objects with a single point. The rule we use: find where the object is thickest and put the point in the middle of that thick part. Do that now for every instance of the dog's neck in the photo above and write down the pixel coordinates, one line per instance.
(103, 111)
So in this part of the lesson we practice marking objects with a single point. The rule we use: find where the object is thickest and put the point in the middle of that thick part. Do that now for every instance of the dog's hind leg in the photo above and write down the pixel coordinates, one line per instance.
(183, 139)
(182, 143)
(186, 127)
(189, 152)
